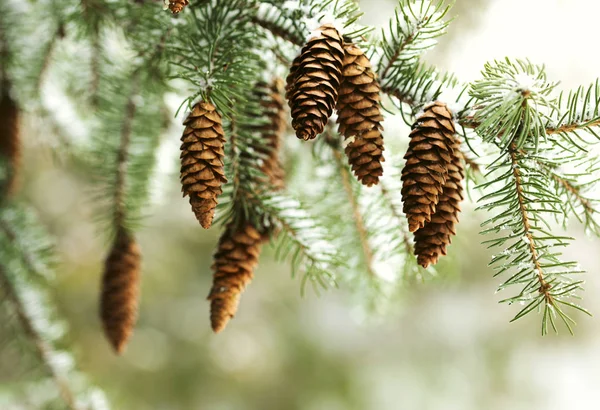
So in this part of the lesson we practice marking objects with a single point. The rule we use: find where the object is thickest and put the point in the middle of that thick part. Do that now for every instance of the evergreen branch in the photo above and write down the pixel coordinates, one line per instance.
(572, 127)
(575, 191)
(95, 67)
(359, 223)
(419, 84)
(58, 34)
(520, 191)
(305, 240)
(26, 256)
(509, 103)
(43, 348)
(397, 213)
(279, 23)
(412, 31)
(525, 220)
(119, 208)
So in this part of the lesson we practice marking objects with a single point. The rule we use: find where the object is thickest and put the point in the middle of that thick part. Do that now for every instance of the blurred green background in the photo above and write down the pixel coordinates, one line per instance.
(446, 343)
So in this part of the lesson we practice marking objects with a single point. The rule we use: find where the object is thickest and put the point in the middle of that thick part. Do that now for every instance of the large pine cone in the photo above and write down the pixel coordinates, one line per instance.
(313, 82)
(202, 153)
(431, 240)
(120, 290)
(234, 263)
(359, 117)
(428, 157)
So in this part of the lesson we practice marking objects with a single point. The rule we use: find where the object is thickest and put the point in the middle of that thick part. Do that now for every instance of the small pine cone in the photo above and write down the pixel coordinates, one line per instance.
(202, 153)
(427, 159)
(9, 142)
(234, 264)
(273, 105)
(120, 290)
(432, 239)
(359, 117)
(313, 82)
(177, 5)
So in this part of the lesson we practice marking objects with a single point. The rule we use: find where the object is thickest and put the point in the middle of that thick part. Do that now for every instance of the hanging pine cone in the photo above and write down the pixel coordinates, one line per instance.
(427, 160)
(432, 239)
(359, 117)
(313, 82)
(272, 104)
(120, 290)
(234, 264)
(177, 5)
(9, 141)
(202, 153)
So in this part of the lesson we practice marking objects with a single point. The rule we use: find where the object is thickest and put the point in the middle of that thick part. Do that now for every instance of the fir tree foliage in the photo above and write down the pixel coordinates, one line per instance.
(27, 265)
(530, 140)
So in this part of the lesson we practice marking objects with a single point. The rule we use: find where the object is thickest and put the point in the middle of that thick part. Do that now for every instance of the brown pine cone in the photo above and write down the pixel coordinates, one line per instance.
(427, 160)
(202, 153)
(120, 290)
(272, 104)
(359, 117)
(9, 142)
(313, 82)
(432, 239)
(177, 5)
(234, 264)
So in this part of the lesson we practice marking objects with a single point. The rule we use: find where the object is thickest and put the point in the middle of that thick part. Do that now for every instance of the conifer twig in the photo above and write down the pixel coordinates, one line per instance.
(42, 346)
(544, 285)
(57, 35)
(405, 238)
(571, 127)
(356, 214)
(119, 211)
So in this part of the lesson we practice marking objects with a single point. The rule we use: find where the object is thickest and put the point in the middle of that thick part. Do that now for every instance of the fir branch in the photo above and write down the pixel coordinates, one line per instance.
(396, 210)
(272, 19)
(572, 127)
(95, 67)
(55, 37)
(347, 182)
(412, 31)
(525, 220)
(43, 348)
(303, 239)
(26, 259)
(119, 208)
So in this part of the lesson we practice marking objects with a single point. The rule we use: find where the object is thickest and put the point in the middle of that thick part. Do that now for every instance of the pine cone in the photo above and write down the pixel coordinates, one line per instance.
(427, 160)
(432, 239)
(273, 105)
(359, 116)
(313, 82)
(120, 290)
(202, 153)
(9, 142)
(177, 5)
(234, 264)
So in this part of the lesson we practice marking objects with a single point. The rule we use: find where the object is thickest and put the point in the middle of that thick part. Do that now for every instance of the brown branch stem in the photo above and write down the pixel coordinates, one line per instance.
(405, 237)
(356, 214)
(123, 156)
(544, 286)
